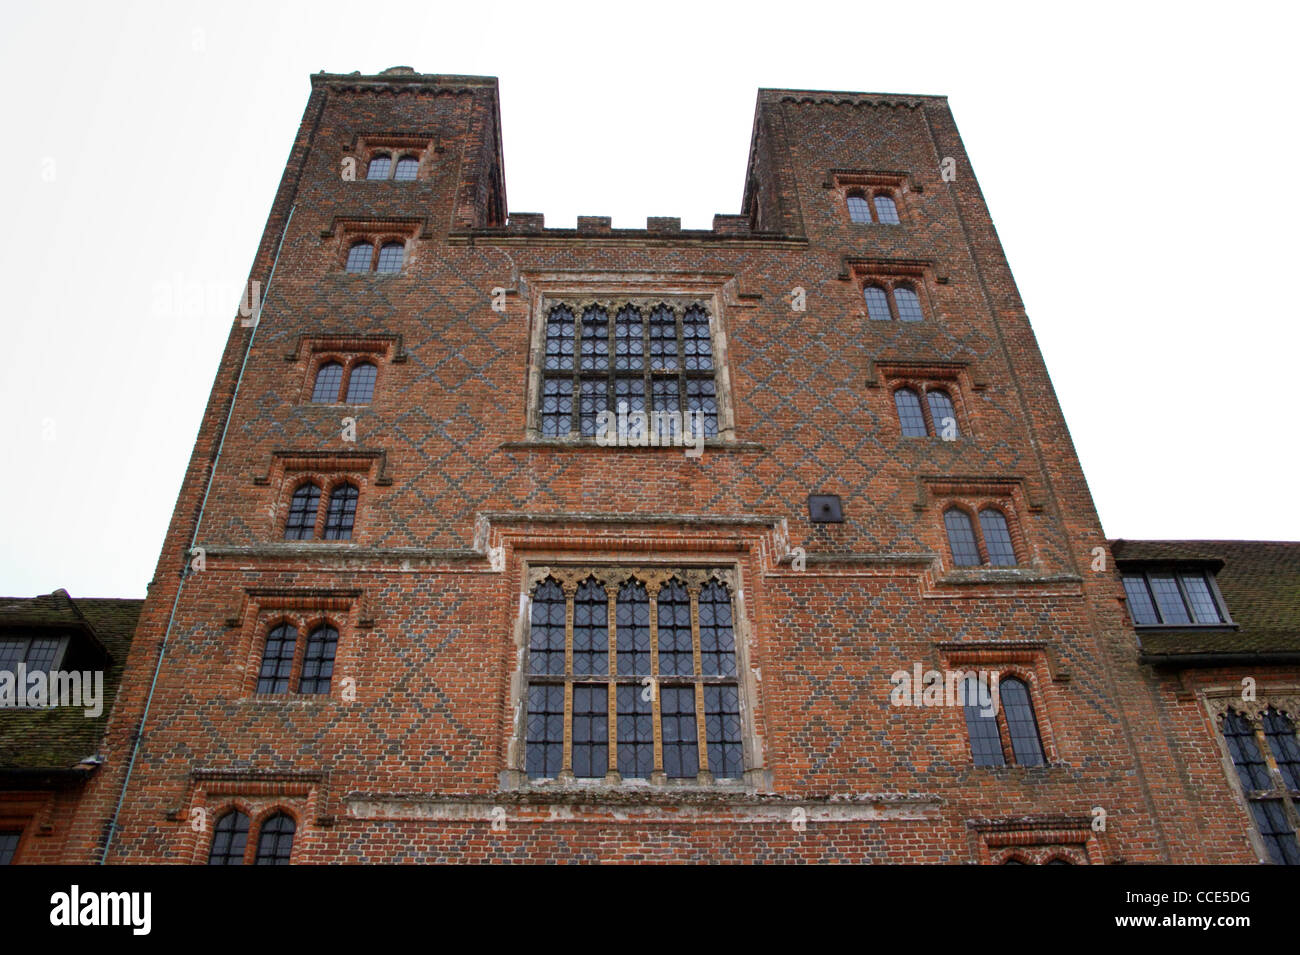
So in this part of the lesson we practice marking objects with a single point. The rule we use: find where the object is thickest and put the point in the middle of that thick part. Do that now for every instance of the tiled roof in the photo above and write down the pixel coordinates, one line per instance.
(1260, 582)
(60, 738)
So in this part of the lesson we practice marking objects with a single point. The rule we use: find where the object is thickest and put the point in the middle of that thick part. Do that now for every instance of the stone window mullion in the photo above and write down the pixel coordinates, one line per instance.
(693, 590)
(652, 591)
(611, 625)
(566, 767)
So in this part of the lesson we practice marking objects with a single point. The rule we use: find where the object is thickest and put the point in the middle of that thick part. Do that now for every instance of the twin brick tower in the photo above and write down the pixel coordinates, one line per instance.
(507, 542)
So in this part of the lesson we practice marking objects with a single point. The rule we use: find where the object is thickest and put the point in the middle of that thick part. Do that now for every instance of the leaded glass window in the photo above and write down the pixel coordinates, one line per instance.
(390, 257)
(982, 723)
(408, 167)
(859, 210)
(341, 514)
(229, 839)
(318, 660)
(943, 416)
(616, 654)
(910, 416)
(277, 659)
(379, 167)
(1172, 598)
(997, 538)
(886, 211)
(275, 840)
(909, 305)
(1272, 792)
(361, 383)
(329, 379)
(35, 654)
(1022, 727)
(360, 255)
(877, 303)
(961, 538)
(626, 358)
(9, 839)
(301, 523)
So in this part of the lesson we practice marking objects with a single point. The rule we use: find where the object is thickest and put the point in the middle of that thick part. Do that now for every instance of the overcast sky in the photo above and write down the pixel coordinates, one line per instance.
(1140, 162)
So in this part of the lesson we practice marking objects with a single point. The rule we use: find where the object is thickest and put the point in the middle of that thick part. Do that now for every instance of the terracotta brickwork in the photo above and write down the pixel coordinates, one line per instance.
(415, 753)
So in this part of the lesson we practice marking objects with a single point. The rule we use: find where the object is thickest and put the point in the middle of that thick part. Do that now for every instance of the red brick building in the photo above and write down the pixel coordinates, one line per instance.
(423, 599)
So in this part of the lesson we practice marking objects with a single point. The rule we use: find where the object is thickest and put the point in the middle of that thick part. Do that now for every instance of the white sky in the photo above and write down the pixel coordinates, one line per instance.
(1139, 161)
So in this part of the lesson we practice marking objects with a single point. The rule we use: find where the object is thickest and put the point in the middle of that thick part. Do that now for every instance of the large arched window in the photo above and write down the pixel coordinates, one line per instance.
(390, 257)
(676, 656)
(301, 523)
(877, 303)
(859, 210)
(229, 839)
(329, 380)
(961, 538)
(380, 165)
(318, 660)
(997, 538)
(910, 416)
(275, 840)
(342, 513)
(360, 255)
(277, 659)
(590, 629)
(1022, 726)
(361, 383)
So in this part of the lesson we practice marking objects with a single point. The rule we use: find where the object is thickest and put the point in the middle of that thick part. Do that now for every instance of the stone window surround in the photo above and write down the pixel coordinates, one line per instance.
(612, 290)
(515, 775)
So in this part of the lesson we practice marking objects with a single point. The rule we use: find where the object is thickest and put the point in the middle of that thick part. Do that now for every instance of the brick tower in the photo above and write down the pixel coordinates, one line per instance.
(427, 595)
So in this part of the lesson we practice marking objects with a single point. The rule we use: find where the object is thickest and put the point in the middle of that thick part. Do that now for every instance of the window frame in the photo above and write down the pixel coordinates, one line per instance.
(377, 241)
(256, 822)
(1176, 569)
(63, 640)
(327, 486)
(890, 285)
(349, 365)
(304, 627)
(612, 577)
(1025, 673)
(973, 510)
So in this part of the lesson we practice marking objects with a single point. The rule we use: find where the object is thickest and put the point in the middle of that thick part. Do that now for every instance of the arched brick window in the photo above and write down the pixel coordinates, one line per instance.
(361, 383)
(997, 538)
(910, 417)
(1022, 726)
(329, 379)
(886, 211)
(277, 659)
(342, 513)
(961, 538)
(318, 660)
(408, 167)
(360, 255)
(391, 255)
(301, 523)
(229, 839)
(275, 840)
(877, 303)
(859, 210)
(380, 165)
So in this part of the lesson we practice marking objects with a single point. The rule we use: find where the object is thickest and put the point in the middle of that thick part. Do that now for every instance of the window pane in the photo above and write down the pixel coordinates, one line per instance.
(859, 211)
(701, 397)
(997, 538)
(1168, 599)
(318, 661)
(590, 731)
(910, 417)
(676, 653)
(629, 344)
(982, 723)
(877, 303)
(379, 167)
(666, 400)
(407, 168)
(359, 257)
(632, 625)
(961, 538)
(229, 839)
(12, 652)
(909, 306)
(8, 845)
(886, 211)
(1279, 837)
(680, 740)
(722, 731)
(40, 655)
(717, 638)
(301, 524)
(361, 384)
(942, 413)
(663, 339)
(1280, 733)
(697, 343)
(1140, 607)
(593, 399)
(275, 841)
(1238, 733)
(342, 512)
(546, 629)
(595, 339)
(591, 629)
(636, 738)
(329, 379)
(629, 397)
(559, 338)
(1022, 727)
(277, 660)
(557, 407)
(390, 257)
(1198, 592)
(544, 748)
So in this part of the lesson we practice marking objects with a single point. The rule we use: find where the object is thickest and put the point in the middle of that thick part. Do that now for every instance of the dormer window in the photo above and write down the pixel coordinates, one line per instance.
(1174, 597)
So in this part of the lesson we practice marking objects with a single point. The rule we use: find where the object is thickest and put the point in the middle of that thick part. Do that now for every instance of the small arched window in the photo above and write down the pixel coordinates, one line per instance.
(329, 379)
(360, 256)
(342, 512)
(361, 384)
(1022, 726)
(380, 165)
(877, 303)
(277, 659)
(390, 257)
(275, 840)
(407, 168)
(886, 211)
(318, 660)
(859, 211)
(910, 416)
(909, 305)
(982, 722)
(997, 538)
(229, 839)
(301, 523)
(942, 413)
(961, 538)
